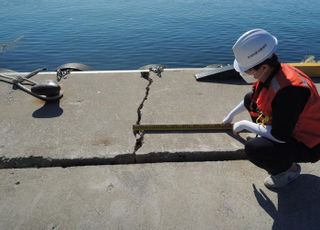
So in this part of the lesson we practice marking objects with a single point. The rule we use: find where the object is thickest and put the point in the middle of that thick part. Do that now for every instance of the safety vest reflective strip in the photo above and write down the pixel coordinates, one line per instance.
(307, 129)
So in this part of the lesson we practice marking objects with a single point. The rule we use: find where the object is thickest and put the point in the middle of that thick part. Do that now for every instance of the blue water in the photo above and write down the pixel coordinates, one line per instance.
(127, 34)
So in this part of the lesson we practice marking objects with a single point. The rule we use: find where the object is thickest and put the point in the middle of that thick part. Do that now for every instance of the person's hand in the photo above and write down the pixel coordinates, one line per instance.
(236, 110)
(261, 130)
(240, 126)
(228, 119)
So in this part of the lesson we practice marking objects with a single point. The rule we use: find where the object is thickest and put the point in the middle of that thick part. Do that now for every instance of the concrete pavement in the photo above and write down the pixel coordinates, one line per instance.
(177, 98)
(92, 125)
(93, 120)
(206, 195)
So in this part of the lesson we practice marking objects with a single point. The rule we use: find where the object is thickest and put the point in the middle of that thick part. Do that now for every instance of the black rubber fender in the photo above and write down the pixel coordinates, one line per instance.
(74, 67)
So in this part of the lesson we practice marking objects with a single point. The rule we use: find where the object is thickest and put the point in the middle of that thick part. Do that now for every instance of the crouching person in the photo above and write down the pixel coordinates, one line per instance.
(284, 105)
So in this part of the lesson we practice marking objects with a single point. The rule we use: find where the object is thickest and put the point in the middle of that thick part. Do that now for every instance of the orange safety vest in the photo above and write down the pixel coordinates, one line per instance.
(307, 129)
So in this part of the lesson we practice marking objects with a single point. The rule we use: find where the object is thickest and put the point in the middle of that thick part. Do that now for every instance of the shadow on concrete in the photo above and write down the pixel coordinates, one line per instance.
(221, 75)
(298, 204)
(237, 137)
(224, 80)
(48, 110)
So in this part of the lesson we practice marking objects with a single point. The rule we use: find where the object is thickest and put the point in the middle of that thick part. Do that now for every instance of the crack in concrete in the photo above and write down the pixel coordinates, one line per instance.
(140, 135)
(127, 158)
(124, 159)
(139, 110)
(40, 162)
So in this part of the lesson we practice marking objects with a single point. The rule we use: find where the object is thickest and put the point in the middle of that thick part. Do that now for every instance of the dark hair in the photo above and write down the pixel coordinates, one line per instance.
(272, 62)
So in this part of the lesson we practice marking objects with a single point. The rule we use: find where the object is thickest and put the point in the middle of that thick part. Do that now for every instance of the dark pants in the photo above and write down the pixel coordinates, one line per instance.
(276, 157)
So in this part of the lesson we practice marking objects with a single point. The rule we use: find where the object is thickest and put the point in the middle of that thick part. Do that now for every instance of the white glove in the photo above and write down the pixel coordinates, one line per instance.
(255, 128)
(238, 109)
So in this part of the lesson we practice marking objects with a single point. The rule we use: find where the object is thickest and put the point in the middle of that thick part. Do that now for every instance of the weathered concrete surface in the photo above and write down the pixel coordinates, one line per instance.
(207, 195)
(93, 119)
(92, 124)
(178, 98)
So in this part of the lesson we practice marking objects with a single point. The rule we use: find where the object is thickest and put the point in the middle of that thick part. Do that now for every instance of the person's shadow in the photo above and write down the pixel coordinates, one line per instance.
(298, 204)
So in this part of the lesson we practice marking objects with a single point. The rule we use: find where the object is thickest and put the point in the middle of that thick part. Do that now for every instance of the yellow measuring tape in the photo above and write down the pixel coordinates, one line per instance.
(183, 127)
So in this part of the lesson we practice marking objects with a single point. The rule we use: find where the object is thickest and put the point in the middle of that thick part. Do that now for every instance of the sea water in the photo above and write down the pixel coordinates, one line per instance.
(128, 34)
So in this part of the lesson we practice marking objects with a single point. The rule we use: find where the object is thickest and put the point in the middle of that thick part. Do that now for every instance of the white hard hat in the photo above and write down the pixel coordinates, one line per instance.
(252, 48)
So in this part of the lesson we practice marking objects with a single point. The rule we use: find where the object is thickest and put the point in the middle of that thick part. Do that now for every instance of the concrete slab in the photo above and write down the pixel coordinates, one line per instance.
(207, 195)
(177, 98)
(93, 120)
(92, 123)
